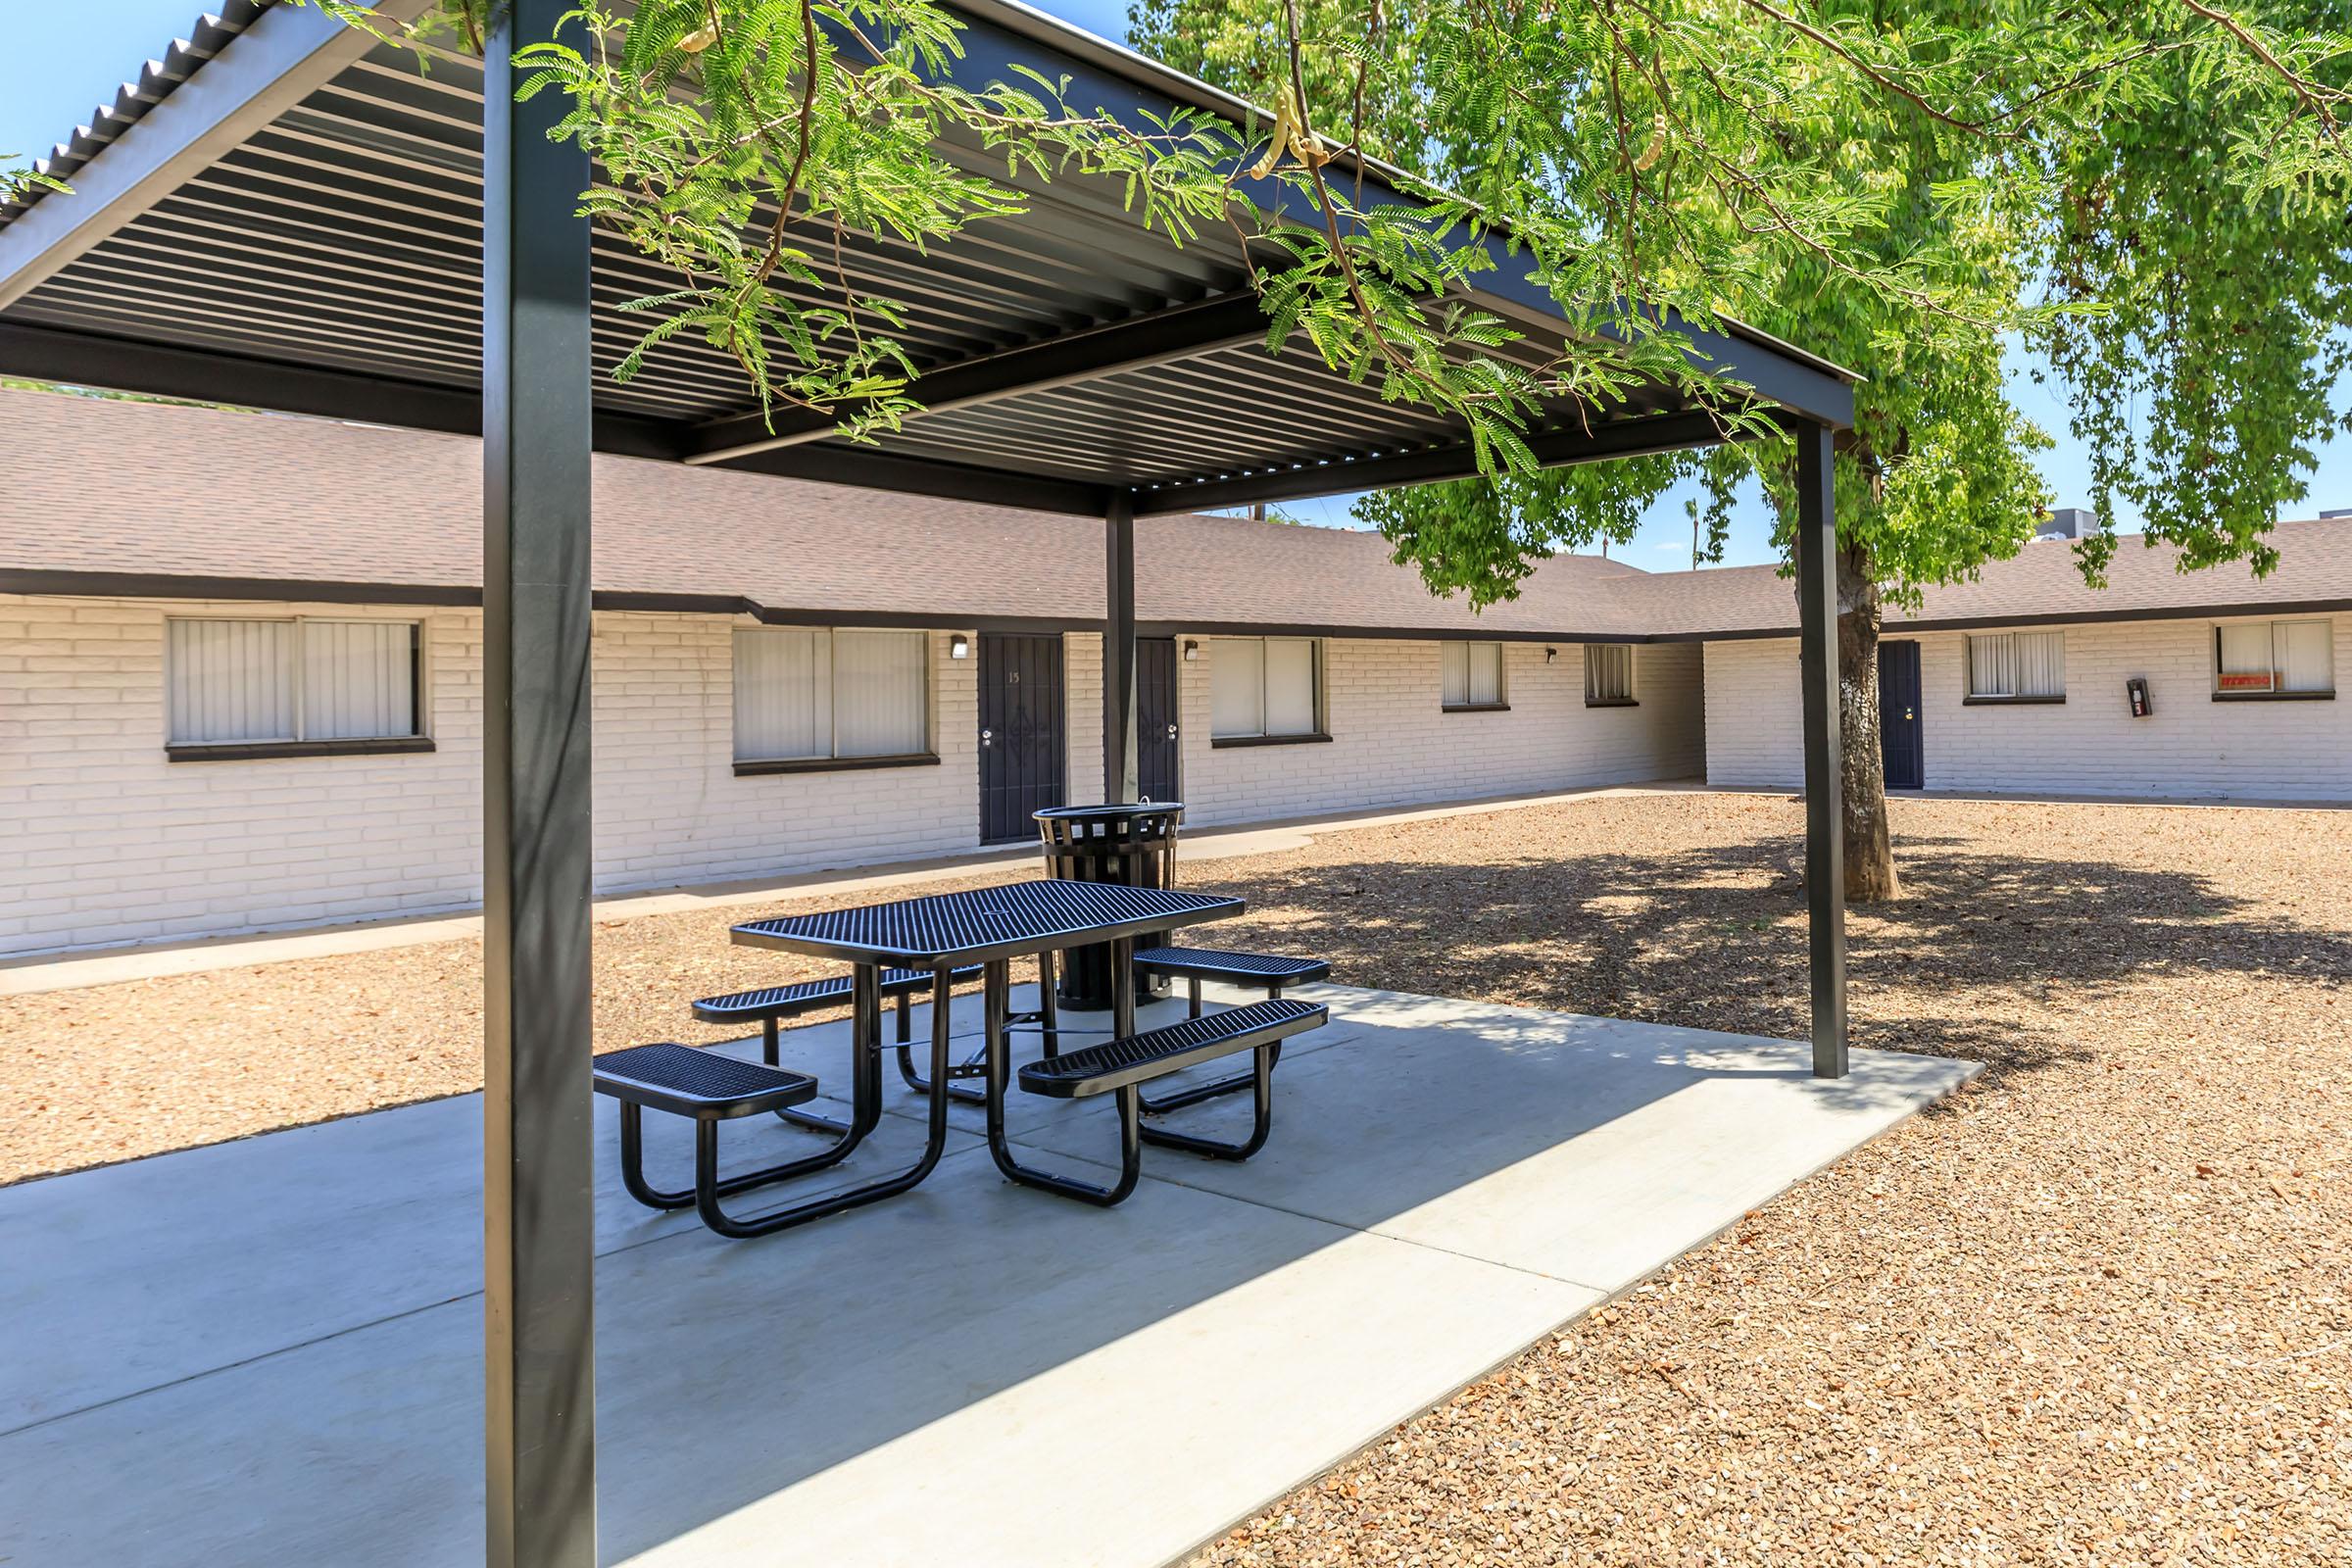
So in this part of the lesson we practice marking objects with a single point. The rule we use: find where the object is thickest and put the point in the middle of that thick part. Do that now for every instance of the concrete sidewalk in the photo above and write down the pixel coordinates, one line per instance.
(268, 1351)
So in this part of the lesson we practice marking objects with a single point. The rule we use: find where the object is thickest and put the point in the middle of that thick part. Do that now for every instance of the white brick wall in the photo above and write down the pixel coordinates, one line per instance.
(119, 845)
(1082, 715)
(1753, 717)
(2189, 747)
(113, 844)
(1392, 746)
(110, 843)
(669, 808)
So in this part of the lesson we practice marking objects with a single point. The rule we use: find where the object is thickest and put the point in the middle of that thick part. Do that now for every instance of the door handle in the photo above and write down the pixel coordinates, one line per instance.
(1171, 733)
(987, 737)
(1907, 715)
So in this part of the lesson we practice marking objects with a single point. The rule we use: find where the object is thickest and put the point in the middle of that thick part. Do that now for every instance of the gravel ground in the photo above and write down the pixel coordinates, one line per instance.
(2096, 1310)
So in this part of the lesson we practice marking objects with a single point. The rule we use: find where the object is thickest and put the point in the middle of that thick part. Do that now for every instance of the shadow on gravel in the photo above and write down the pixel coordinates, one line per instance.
(1714, 939)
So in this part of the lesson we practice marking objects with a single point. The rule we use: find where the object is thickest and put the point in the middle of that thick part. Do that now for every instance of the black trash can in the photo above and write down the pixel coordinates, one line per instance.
(1125, 846)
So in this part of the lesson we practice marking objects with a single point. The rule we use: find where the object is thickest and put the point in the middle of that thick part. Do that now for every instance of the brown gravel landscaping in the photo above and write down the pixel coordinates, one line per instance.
(2096, 1308)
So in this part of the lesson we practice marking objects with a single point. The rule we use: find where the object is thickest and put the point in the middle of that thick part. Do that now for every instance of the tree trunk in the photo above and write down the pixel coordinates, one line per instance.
(1862, 781)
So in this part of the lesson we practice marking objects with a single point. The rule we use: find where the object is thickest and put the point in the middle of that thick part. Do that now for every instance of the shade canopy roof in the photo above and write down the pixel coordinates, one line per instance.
(283, 212)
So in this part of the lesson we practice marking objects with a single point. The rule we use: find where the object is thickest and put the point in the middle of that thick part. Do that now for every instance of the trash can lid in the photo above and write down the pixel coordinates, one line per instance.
(1080, 813)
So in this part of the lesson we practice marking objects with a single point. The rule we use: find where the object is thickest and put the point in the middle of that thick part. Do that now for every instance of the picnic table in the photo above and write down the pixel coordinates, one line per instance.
(938, 933)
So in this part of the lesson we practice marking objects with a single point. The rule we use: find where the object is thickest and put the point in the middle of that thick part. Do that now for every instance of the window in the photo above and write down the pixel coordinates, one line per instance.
(2016, 666)
(1265, 688)
(1470, 675)
(809, 698)
(2274, 659)
(1608, 674)
(312, 685)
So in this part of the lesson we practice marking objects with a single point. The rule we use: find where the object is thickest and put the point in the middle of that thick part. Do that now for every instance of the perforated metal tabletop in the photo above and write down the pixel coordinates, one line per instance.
(1003, 922)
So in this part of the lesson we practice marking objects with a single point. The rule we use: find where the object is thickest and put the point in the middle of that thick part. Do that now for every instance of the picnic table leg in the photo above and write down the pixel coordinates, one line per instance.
(865, 1076)
(866, 1000)
(1232, 1084)
(866, 1031)
(1000, 1146)
(996, 1003)
(1049, 1012)
(862, 1044)
(922, 1086)
(1122, 988)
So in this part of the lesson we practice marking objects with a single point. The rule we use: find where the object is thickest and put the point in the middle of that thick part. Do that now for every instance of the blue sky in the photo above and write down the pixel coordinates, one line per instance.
(67, 57)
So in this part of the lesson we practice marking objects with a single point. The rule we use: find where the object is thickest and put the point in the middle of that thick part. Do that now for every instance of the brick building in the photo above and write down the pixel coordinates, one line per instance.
(253, 700)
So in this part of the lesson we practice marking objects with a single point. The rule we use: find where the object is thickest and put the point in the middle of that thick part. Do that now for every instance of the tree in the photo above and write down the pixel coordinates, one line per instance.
(2150, 195)
(2150, 192)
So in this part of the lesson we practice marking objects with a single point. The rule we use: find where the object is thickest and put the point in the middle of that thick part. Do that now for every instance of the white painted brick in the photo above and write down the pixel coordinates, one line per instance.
(2190, 747)
(138, 846)
(1391, 744)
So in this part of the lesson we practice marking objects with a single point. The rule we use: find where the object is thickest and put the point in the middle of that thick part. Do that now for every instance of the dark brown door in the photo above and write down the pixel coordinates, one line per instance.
(1021, 748)
(1158, 755)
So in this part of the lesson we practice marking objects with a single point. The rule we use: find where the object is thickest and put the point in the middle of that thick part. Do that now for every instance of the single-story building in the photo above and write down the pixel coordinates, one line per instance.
(239, 675)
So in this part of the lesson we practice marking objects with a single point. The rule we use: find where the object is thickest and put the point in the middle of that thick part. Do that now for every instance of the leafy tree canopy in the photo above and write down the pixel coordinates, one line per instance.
(2152, 196)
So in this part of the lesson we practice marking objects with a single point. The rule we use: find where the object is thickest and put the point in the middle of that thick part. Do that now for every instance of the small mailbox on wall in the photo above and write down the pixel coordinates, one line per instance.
(2137, 691)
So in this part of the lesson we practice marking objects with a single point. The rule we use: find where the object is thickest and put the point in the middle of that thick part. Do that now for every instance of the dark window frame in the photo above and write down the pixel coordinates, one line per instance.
(419, 737)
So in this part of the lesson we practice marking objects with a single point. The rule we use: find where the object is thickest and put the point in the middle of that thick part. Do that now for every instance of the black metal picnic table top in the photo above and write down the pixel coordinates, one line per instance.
(1000, 922)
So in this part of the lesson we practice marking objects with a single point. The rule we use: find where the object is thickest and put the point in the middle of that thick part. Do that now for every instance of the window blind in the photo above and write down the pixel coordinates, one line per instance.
(805, 694)
(878, 694)
(2304, 652)
(1263, 686)
(1608, 672)
(1472, 674)
(783, 694)
(1289, 686)
(2041, 664)
(229, 681)
(358, 679)
(1237, 686)
(248, 682)
(2019, 663)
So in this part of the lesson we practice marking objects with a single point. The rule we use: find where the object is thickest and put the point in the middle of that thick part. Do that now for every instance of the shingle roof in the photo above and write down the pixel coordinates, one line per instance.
(156, 499)
(2039, 584)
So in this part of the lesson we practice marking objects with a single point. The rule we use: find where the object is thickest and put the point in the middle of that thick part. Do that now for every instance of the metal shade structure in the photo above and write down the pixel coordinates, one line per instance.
(285, 213)
(305, 232)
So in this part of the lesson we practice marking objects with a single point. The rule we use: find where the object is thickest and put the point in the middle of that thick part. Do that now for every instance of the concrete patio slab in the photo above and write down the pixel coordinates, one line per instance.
(280, 1338)
(874, 1393)
(1668, 1134)
(136, 1275)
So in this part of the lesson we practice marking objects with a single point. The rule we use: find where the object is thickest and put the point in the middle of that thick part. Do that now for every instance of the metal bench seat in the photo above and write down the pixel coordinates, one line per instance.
(808, 996)
(769, 1004)
(1156, 1052)
(1118, 1068)
(1270, 970)
(707, 1088)
(700, 1084)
